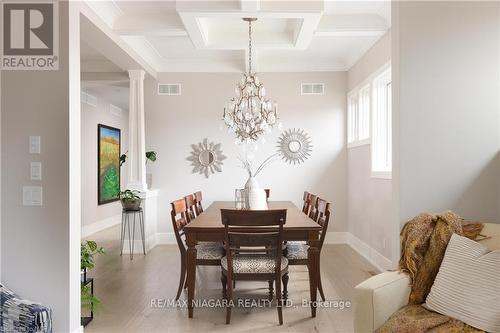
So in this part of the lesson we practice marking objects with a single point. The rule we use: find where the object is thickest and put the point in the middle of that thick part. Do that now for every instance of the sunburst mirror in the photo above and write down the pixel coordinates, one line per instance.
(206, 158)
(294, 146)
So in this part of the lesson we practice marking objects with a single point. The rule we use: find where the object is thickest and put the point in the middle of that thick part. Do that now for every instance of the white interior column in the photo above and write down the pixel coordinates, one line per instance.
(137, 165)
(137, 144)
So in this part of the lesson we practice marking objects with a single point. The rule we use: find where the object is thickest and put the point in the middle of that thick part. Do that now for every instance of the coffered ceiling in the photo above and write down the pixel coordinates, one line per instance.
(209, 36)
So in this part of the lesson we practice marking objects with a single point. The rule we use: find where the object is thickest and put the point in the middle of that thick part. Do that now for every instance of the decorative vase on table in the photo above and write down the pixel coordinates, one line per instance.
(255, 196)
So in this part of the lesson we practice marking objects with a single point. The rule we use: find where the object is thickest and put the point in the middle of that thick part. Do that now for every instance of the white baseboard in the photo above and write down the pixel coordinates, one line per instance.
(380, 262)
(374, 257)
(91, 229)
(79, 330)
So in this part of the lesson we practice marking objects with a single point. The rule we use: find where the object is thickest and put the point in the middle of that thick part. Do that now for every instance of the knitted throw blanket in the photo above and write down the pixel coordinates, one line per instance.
(424, 241)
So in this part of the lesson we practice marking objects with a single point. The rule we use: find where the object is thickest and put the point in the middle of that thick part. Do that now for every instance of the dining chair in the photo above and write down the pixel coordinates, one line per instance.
(306, 198)
(253, 251)
(190, 206)
(296, 252)
(268, 193)
(207, 254)
(313, 207)
(198, 197)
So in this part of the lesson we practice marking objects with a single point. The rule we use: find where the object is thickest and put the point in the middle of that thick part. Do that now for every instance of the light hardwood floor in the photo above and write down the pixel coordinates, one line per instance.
(127, 288)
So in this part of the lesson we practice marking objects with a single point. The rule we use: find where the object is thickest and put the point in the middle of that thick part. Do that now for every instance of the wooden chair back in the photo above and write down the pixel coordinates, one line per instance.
(190, 207)
(323, 219)
(198, 197)
(313, 204)
(306, 198)
(179, 221)
(253, 232)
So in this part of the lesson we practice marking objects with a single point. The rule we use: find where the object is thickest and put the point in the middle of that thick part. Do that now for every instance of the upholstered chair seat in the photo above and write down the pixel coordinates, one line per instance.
(252, 264)
(209, 250)
(296, 250)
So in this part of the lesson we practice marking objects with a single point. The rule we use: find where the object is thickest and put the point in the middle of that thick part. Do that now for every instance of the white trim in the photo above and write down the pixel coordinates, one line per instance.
(381, 174)
(91, 229)
(380, 262)
(374, 257)
(79, 330)
(359, 143)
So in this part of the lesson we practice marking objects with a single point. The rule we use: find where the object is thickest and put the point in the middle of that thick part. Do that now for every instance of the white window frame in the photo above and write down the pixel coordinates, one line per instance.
(356, 115)
(371, 84)
(381, 148)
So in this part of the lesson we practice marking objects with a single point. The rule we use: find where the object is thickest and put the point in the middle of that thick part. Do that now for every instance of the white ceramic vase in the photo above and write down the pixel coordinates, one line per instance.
(256, 197)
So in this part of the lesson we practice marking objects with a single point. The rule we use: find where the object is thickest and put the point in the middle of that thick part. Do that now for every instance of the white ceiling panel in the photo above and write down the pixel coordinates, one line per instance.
(211, 36)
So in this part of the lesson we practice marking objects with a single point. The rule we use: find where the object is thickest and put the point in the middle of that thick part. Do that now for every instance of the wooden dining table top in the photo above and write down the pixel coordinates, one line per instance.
(211, 217)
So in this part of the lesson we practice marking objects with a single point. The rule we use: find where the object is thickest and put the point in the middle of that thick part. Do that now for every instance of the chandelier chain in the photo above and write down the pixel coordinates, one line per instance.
(250, 47)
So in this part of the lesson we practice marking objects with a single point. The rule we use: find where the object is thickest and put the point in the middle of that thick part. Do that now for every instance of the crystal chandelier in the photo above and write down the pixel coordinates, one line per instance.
(250, 114)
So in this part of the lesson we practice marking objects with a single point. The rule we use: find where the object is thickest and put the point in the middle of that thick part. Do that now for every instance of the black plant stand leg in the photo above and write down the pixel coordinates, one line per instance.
(141, 222)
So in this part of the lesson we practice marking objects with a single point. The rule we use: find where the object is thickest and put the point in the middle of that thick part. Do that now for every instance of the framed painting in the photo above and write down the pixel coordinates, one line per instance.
(108, 161)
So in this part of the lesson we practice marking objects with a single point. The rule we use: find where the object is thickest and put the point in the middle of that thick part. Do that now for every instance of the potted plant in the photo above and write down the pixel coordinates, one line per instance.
(130, 199)
(88, 301)
(150, 156)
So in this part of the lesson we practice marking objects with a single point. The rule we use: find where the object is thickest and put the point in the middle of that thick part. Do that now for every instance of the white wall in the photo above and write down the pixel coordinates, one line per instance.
(173, 123)
(447, 108)
(94, 216)
(39, 254)
(369, 199)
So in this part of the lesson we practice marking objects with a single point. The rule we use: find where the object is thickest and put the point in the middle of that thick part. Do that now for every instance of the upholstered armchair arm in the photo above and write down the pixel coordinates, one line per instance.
(377, 298)
(21, 315)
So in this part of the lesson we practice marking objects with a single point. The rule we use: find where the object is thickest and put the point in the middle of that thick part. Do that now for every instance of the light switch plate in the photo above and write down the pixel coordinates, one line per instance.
(34, 145)
(36, 170)
(32, 196)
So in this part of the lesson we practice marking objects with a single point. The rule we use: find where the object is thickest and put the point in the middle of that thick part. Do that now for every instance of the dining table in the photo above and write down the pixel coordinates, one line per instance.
(208, 227)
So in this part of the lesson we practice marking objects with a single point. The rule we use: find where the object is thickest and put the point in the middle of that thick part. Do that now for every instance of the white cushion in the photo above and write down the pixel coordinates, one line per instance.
(467, 286)
(259, 263)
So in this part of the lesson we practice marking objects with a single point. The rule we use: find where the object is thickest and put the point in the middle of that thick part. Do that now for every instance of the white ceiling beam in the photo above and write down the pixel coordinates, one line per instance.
(250, 5)
(95, 32)
(150, 25)
(351, 25)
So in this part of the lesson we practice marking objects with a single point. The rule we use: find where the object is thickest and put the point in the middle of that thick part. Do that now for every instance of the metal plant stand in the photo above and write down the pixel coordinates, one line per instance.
(127, 214)
(85, 320)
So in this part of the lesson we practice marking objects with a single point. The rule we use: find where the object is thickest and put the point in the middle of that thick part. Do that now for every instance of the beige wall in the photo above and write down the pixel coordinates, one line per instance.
(39, 256)
(377, 56)
(173, 123)
(91, 117)
(369, 199)
(447, 108)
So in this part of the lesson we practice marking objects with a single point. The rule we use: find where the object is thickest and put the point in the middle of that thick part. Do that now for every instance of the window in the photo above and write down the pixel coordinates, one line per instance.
(358, 118)
(369, 120)
(382, 126)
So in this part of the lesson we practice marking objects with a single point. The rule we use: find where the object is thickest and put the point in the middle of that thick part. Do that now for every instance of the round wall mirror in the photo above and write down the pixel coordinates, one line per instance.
(294, 146)
(206, 158)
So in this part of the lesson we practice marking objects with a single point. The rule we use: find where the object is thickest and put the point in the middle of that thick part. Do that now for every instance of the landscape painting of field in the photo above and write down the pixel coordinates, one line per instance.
(108, 139)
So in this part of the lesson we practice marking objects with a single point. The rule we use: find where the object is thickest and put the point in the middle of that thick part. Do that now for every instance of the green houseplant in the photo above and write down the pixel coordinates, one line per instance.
(87, 252)
(150, 156)
(130, 199)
